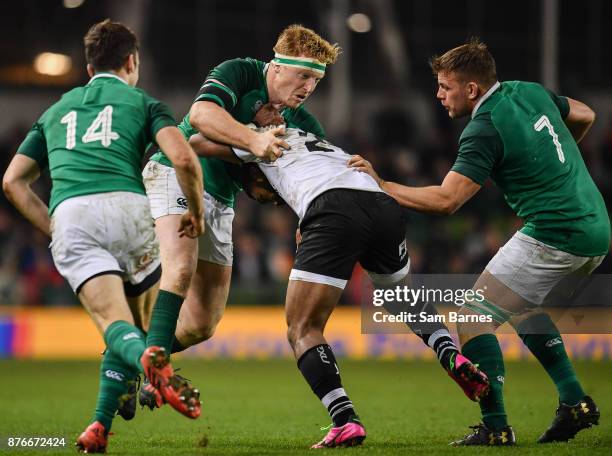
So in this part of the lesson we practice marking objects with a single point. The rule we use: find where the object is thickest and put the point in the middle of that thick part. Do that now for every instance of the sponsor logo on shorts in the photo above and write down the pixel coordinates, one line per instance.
(182, 202)
(114, 375)
(132, 335)
(553, 342)
(144, 260)
(403, 250)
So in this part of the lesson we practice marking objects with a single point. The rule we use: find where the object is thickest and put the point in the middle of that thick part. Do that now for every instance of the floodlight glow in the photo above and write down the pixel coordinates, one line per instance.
(73, 3)
(52, 64)
(359, 23)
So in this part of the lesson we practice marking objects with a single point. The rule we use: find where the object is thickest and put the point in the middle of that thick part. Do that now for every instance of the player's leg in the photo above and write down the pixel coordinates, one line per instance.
(204, 306)
(178, 258)
(387, 262)
(538, 332)
(519, 277)
(308, 306)
(209, 287)
(198, 318)
(480, 345)
(79, 248)
(331, 242)
(178, 255)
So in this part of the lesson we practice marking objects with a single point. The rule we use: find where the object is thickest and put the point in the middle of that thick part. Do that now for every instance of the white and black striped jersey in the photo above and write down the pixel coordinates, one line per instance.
(312, 166)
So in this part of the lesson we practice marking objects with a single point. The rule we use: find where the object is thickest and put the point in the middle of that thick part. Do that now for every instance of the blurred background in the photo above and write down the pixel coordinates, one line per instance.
(378, 100)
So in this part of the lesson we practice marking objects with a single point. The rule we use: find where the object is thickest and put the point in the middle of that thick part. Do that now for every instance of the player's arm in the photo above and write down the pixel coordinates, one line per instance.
(579, 119)
(189, 176)
(455, 190)
(216, 123)
(203, 147)
(21, 173)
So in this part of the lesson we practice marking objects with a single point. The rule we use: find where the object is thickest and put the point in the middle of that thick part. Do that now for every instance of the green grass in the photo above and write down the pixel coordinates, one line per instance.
(265, 407)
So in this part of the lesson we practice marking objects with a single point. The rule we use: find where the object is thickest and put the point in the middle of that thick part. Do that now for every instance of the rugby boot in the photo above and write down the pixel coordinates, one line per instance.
(482, 435)
(350, 434)
(570, 419)
(127, 401)
(175, 390)
(473, 381)
(149, 396)
(93, 439)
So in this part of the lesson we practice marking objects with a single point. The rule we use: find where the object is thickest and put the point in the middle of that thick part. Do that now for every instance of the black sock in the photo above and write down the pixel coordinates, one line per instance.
(434, 333)
(319, 368)
(177, 346)
(444, 346)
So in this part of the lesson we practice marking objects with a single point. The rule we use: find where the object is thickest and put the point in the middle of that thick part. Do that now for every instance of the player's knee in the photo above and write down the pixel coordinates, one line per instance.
(297, 330)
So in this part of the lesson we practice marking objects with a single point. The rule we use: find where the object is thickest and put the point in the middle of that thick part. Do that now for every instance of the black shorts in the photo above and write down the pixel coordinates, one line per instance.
(342, 227)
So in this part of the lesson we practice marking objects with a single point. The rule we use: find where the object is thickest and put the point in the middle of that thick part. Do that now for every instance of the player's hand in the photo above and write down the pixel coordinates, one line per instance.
(361, 164)
(191, 225)
(268, 146)
(298, 237)
(268, 115)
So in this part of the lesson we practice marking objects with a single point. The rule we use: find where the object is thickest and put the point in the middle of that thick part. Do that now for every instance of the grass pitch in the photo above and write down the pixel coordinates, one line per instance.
(265, 407)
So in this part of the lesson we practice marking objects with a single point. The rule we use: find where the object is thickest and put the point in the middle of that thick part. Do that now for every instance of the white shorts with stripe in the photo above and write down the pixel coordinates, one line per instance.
(167, 198)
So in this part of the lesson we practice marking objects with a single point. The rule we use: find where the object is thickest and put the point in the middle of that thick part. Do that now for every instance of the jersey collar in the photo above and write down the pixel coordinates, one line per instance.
(106, 75)
(484, 98)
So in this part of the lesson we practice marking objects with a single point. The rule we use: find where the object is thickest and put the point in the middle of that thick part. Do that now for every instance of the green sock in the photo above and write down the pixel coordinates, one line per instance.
(542, 338)
(114, 377)
(126, 341)
(163, 320)
(484, 350)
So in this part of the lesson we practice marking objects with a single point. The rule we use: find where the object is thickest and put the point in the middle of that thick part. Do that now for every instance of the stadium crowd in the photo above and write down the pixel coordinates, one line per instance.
(264, 236)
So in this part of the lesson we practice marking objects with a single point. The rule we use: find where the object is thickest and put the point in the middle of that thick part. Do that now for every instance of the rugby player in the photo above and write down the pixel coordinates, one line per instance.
(232, 95)
(99, 219)
(524, 138)
(344, 218)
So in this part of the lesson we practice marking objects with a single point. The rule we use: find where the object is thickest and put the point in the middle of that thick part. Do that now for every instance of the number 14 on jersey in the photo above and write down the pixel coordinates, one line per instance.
(99, 130)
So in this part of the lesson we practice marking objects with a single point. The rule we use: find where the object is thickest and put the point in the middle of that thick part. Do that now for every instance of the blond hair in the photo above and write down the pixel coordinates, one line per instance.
(299, 41)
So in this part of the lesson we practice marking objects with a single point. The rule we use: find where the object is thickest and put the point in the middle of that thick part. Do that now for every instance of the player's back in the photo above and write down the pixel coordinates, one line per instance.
(96, 136)
(542, 173)
(311, 167)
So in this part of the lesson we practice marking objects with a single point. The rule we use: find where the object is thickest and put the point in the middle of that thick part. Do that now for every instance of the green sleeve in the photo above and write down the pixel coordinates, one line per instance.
(561, 103)
(480, 149)
(160, 116)
(226, 83)
(303, 120)
(35, 146)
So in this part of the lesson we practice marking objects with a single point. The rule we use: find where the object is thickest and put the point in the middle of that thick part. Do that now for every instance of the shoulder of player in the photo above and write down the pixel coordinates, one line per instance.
(480, 126)
(244, 65)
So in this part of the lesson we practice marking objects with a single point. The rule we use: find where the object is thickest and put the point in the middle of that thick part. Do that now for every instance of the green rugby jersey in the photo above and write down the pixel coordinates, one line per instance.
(93, 139)
(517, 137)
(239, 87)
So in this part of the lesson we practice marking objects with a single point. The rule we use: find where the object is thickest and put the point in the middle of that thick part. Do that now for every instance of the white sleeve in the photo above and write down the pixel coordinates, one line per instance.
(243, 155)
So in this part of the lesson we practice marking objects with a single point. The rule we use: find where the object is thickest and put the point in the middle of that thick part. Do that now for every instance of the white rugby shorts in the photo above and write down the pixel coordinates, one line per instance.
(533, 269)
(167, 198)
(104, 233)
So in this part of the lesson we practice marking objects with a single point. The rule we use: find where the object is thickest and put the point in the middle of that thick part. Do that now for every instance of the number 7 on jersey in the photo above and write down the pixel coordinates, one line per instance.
(545, 122)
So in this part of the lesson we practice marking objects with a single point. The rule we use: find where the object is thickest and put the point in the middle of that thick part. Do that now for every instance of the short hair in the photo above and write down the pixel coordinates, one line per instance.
(108, 44)
(471, 60)
(297, 40)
